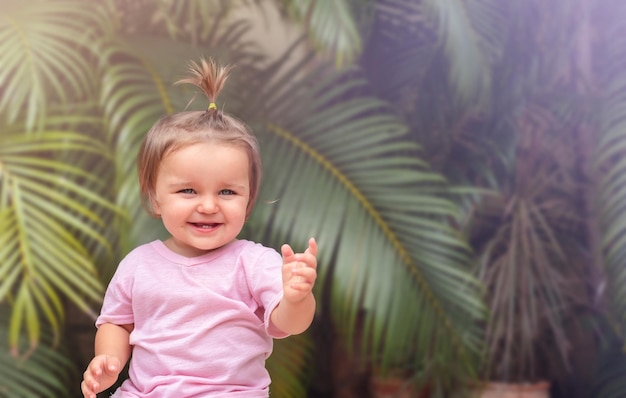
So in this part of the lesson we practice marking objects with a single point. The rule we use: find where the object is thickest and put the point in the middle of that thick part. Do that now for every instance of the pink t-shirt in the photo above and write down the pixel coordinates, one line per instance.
(202, 324)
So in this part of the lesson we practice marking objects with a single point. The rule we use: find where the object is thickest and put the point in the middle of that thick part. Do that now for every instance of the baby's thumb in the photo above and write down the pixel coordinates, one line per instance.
(112, 365)
(286, 252)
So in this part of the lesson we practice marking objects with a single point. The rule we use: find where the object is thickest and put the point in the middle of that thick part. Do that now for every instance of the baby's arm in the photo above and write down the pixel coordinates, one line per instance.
(295, 311)
(112, 349)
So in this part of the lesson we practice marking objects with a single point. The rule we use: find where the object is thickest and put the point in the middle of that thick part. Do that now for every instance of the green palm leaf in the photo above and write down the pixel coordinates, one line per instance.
(611, 169)
(469, 32)
(188, 18)
(44, 372)
(611, 197)
(44, 207)
(288, 366)
(134, 95)
(356, 183)
(332, 26)
(40, 56)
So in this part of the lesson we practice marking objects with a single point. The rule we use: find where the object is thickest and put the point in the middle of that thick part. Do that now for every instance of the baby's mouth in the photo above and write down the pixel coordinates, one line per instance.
(204, 225)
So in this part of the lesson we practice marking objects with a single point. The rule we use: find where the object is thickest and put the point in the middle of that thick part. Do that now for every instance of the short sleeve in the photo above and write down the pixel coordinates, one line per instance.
(265, 280)
(117, 305)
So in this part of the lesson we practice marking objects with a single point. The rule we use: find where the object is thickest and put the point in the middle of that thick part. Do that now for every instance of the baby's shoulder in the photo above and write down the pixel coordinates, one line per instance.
(141, 251)
(139, 255)
(250, 250)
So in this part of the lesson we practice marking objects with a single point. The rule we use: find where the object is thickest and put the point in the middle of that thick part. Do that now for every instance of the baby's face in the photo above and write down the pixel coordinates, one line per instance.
(202, 192)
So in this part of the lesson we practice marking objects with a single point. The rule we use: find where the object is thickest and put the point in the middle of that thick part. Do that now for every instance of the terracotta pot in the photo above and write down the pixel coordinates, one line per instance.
(507, 390)
(395, 387)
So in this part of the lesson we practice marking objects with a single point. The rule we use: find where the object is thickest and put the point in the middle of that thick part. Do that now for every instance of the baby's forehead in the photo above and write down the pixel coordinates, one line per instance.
(206, 147)
(206, 159)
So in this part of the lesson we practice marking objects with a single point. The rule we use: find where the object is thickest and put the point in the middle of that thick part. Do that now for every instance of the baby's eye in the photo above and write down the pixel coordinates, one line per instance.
(187, 191)
(227, 192)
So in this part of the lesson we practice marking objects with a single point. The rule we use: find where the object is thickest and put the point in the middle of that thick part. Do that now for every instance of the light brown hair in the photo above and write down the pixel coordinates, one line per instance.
(176, 131)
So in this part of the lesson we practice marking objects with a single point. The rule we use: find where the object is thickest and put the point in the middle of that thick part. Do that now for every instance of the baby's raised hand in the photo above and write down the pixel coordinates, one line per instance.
(101, 373)
(299, 272)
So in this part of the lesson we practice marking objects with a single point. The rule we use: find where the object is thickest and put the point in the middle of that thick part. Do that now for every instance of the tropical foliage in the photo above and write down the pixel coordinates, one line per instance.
(428, 145)
(82, 83)
(524, 101)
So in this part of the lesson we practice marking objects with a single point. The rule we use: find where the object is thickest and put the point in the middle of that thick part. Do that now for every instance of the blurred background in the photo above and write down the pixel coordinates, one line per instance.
(461, 164)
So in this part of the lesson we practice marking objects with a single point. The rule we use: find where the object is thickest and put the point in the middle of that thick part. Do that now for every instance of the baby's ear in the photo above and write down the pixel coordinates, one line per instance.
(154, 207)
(156, 213)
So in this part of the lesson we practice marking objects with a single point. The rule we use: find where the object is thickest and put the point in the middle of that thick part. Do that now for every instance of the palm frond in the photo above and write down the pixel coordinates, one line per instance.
(346, 155)
(611, 169)
(41, 59)
(46, 371)
(188, 18)
(288, 366)
(332, 27)
(609, 376)
(469, 33)
(43, 202)
(134, 95)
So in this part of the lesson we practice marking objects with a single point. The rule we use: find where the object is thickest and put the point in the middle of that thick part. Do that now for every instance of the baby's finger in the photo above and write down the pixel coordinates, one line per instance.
(94, 370)
(287, 252)
(312, 247)
(111, 365)
(87, 392)
(305, 274)
(302, 284)
(89, 386)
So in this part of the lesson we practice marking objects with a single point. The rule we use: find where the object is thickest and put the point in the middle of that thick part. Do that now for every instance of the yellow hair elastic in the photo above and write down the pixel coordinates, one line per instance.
(212, 105)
